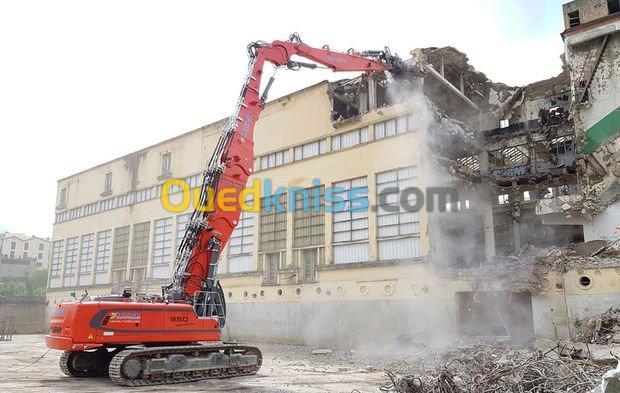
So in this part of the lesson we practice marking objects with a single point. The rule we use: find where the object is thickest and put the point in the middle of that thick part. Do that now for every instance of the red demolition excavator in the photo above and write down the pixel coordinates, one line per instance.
(175, 337)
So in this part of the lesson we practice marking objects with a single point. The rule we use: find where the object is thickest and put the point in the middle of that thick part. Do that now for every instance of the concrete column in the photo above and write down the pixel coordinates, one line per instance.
(329, 235)
(289, 235)
(372, 94)
(372, 217)
(486, 207)
(516, 230)
(94, 260)
(129, 247)
(255, 240)
(149, 261)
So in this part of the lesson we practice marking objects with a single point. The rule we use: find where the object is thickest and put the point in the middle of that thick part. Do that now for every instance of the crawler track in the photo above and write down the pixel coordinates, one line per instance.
(66, 365)
(119, 364)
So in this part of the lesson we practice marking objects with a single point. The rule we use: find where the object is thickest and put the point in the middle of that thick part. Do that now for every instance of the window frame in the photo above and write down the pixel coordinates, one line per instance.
(162, 241)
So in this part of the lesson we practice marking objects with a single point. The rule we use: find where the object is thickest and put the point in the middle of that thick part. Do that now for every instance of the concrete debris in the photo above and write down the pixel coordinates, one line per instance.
(495, 368)
(321, 351)
(611, 381)
(591, 248)
(526, 270)
(599, 329)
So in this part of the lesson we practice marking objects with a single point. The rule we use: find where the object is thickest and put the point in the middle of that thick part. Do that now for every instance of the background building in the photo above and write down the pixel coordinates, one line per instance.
(387, 273)
(21, 254)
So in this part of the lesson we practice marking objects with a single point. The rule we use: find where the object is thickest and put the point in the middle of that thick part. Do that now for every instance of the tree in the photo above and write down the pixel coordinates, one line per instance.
(33, 285)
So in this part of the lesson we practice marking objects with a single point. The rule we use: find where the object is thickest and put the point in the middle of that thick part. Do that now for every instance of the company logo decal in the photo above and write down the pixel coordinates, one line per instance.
(121, 317)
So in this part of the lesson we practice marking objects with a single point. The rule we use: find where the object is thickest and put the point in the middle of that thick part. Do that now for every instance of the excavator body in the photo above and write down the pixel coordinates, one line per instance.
(87, 325)
(175, 337)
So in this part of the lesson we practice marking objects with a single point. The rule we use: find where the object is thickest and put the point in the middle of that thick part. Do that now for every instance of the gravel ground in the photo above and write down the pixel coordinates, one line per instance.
(286, 368)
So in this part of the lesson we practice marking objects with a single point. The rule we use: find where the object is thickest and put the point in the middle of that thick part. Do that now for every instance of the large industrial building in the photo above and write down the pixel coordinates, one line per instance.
(536, 168)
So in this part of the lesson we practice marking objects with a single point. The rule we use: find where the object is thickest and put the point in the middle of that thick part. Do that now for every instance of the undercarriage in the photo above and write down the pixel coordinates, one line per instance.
(163, 364)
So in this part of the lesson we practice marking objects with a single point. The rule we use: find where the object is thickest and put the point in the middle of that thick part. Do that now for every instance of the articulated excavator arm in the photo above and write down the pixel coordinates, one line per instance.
(231, 164)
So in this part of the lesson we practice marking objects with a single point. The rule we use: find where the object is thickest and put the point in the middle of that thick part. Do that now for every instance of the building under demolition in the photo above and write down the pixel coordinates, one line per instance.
(527, 247)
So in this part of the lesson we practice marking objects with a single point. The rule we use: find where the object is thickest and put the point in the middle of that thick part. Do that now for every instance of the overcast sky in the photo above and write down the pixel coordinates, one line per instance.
(83, 82)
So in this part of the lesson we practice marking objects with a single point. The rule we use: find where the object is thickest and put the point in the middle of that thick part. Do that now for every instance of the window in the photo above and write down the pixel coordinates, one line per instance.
(274, 159)
(573, 19)
(162, 241)
(309, 264)
(272, 263)
(108, 204)
(349, 139)
(503, 199)
(71, 259)
(25, 254)
(62, 198)
(12, 254)
(140, 244)
(394, 126)
(91, 208)
(241, 244)
(107, 182)
(147, 193)
(309, 150)
(118, 276)
(26, 245)
(104, 242)
(13, 244)
(57, 254)
(86, 253)
(399, 228)
(454, 206)
(561, 146)
(193, 181)
(138, 274)
(40, 246)
(309, 217)
(272, 226)
(40, 256)
(613, 6)
(182, 221)
(166, 159)
(350, 225)
(124, 200)
(350, 228)
(504, 123)
(120, 251)
(526, 196)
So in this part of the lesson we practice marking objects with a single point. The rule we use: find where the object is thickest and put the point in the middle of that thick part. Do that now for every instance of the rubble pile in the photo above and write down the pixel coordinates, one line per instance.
(563, 259)
(600, 329)
(485, 368)
(526, 270)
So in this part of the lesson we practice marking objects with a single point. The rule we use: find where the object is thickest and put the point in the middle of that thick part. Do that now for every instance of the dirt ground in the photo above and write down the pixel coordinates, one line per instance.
(285, 369)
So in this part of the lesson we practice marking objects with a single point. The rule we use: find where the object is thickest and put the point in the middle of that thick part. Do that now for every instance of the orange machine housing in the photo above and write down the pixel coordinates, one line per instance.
(79, 326)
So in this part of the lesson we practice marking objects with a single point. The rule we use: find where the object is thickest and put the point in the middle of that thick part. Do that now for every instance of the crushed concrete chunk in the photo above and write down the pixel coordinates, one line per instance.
(320, 351)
